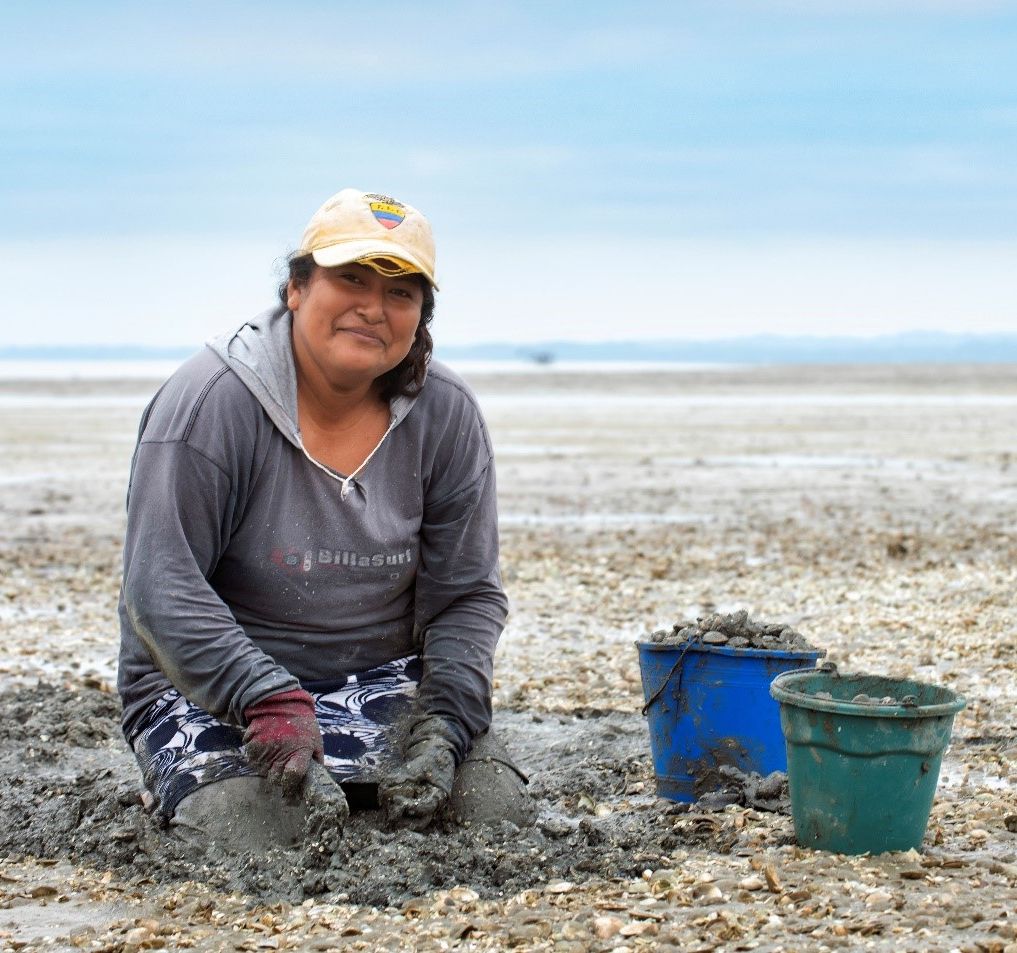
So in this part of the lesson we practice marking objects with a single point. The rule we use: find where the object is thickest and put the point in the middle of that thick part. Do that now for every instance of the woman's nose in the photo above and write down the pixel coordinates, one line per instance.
(372, 305)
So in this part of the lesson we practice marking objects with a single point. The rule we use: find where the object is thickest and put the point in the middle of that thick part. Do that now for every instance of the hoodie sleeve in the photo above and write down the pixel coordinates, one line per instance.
(183, 501)
(460, 604)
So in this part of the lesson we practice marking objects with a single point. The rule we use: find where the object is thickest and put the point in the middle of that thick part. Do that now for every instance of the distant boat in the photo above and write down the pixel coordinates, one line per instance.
(541, 357)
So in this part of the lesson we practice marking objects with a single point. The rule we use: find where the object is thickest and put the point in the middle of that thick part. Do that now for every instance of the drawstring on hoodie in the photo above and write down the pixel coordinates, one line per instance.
(346, 482)
(260, 354)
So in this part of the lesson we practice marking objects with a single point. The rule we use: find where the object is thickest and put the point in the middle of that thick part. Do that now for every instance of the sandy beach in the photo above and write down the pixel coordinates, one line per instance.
(872, 508)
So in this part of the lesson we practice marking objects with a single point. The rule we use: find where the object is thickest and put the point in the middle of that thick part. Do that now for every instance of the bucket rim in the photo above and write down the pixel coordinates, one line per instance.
(781, 689)
(727, 650)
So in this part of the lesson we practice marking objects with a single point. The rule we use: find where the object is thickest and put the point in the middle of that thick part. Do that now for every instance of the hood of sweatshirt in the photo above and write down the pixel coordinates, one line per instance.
(260, 353)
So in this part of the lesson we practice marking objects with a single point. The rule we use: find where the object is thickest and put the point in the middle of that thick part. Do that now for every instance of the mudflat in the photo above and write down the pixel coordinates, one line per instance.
(870, 508)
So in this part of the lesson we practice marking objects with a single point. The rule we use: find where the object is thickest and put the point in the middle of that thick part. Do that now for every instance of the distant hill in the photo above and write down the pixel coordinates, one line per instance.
(911, 348)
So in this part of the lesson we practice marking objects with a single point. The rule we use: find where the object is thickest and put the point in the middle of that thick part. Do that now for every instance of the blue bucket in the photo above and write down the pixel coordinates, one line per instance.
(709, 706)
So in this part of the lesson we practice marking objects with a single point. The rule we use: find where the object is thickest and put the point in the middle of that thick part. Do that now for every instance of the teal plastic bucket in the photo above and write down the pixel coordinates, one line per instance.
(862, 777)
(710, 706)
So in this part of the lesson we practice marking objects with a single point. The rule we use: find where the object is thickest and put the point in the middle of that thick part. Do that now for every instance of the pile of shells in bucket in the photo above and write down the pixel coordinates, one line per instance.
(908, 701)
(735, 630)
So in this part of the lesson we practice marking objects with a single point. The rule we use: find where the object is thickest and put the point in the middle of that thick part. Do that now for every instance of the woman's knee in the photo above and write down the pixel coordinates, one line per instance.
(243, 814)
(489, 788)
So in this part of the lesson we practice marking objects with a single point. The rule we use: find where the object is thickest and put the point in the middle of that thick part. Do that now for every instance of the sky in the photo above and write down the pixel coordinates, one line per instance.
(592, 171)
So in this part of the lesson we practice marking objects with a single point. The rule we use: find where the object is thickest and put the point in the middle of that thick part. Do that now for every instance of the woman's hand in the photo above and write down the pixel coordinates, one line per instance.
(413, 794)
(327, 812)
(283, 736)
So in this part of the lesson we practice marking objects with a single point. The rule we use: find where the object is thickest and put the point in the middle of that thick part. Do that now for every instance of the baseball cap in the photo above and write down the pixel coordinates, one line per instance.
(371, 229)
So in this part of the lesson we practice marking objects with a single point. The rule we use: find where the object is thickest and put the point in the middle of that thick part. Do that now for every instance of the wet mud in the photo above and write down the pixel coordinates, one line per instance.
(596, 815)
(719, 785)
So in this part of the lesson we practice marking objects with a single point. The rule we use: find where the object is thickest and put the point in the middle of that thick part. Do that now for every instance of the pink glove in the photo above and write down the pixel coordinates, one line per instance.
(283, 736)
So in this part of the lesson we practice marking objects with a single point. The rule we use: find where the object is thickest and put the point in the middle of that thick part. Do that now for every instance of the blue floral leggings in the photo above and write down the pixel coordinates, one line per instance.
(180, 747)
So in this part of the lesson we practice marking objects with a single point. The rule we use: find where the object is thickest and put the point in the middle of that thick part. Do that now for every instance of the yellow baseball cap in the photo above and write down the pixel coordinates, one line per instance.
(371, 229)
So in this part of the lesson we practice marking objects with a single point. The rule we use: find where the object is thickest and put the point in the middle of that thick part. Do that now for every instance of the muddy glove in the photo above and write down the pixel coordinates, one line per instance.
(327, 812)
(283, 736)
(412, 795)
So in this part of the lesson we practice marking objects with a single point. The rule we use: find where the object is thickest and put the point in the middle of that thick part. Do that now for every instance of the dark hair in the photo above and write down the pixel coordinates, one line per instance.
(407, 377)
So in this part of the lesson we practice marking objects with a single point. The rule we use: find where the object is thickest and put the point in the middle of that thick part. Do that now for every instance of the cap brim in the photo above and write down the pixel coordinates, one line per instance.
(343, 253)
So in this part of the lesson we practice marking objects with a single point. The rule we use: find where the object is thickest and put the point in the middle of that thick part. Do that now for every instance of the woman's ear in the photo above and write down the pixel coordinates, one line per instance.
(292, 295)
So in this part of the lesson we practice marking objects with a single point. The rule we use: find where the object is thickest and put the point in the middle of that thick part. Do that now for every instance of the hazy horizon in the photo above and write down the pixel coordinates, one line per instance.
(907, 347)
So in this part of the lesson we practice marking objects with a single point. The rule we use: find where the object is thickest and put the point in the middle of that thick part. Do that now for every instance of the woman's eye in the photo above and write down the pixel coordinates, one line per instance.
(350, 276)
(400, 292)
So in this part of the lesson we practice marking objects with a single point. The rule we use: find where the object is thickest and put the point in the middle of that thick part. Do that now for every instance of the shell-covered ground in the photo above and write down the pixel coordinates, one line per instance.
(872, 509)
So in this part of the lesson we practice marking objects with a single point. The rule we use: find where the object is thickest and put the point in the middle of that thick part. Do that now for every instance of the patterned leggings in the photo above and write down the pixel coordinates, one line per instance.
(180, 747)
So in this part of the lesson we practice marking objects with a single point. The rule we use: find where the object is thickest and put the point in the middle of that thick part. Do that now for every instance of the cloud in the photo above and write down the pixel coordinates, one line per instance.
(694, 119)
(964, 8)
(314, 45)
(152, 291)
(180, 292)
(623, 288)
(1003, 116)
(478, 162)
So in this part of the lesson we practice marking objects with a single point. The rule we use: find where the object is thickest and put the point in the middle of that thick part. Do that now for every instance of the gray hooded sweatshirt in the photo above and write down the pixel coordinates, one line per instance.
(250, 568)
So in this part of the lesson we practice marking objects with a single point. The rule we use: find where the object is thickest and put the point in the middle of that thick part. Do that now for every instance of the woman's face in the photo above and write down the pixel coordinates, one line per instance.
(351, 324)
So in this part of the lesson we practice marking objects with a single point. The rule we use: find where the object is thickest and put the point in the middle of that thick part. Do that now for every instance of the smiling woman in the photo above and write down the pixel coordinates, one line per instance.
(250, 650)
(353, 305)
(352, 326)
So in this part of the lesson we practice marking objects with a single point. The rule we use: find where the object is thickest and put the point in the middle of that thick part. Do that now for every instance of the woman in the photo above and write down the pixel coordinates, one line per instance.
(311, 560)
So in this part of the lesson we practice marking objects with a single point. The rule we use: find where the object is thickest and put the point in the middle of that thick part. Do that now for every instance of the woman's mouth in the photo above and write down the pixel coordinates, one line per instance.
(364, 334)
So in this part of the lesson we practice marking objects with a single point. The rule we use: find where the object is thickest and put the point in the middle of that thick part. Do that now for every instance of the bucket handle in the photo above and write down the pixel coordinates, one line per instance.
(667, 678)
